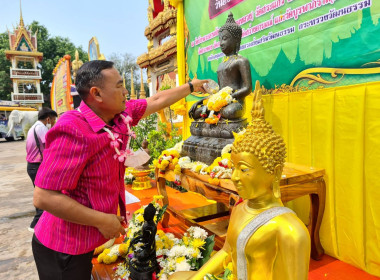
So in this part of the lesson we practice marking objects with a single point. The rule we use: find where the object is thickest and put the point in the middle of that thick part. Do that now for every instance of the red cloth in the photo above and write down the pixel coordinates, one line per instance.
(79, 162)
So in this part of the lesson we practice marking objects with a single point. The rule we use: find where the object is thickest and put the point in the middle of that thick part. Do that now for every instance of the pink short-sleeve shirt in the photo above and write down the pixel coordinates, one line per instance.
(79, 162)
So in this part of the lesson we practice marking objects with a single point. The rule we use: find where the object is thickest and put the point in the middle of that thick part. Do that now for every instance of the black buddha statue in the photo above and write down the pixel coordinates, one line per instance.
(234, 71)
(144, 262)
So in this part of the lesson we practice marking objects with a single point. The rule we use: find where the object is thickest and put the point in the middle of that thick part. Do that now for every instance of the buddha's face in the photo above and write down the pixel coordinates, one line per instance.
(227, 43)
(249, 177)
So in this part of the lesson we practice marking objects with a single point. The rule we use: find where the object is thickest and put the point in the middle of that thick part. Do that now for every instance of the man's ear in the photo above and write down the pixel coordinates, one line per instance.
(95, 94)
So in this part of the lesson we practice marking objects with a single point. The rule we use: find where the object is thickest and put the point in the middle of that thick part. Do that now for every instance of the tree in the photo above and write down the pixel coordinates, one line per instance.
(124, 63)
(6, 86)
(53, 48)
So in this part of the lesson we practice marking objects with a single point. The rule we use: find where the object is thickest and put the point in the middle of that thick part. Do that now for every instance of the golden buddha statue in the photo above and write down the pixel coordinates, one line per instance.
(76, 63)
(264, 239)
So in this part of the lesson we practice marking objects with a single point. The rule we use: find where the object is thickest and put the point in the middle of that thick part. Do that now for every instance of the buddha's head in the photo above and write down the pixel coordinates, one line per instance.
(149, 212)
(230, 36)
(258, 156)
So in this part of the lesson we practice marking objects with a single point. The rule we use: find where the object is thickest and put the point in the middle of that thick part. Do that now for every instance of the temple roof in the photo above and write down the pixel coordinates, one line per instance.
(22, 41)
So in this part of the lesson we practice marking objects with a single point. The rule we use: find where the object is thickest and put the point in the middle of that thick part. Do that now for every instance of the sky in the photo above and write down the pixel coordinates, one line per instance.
(117, 24)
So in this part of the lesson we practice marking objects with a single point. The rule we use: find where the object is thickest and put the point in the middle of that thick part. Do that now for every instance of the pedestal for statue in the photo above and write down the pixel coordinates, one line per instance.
(143, 273)
(207, 140)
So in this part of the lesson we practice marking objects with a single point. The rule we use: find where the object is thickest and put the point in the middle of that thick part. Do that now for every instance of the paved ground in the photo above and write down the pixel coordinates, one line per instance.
(16, 213)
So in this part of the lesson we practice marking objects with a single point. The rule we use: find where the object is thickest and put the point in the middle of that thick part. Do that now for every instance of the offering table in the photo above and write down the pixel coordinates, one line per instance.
(296, 181)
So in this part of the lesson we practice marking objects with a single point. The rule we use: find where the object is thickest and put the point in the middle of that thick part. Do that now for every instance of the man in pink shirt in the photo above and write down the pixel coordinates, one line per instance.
(81, 180)
(35, 145)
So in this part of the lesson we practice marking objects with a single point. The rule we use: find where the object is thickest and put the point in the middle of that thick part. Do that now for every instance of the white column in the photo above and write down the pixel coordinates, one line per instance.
(15, 87)
(38, 87)
(154, 84)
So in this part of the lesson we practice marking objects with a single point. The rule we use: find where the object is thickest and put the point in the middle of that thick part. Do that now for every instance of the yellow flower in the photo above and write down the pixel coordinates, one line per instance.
(198, 168)
(161, 233)
(140, 218)
(198, 243)
(156, 198)
(109, 259)
(177, 169)
(226, 155)
(100, 257)
(123, 248)
(180, 259)
(195, 254)
(175, 161)
(164, 164)
(159, 245)
(185, 240)
(170, 243)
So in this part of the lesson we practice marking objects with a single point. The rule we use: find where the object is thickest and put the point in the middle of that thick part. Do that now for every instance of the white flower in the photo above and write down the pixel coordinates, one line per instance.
(171, 236)
(198, 232)
(182, 266)
(225, 161)
(227, 174)
(177, 251)
(163, 277)
(185, 162)
(227, 149)
(114, 250)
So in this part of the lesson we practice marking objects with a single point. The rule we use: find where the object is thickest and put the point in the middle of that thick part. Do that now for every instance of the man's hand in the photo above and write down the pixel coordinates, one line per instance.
(198, 85)
(111, 226)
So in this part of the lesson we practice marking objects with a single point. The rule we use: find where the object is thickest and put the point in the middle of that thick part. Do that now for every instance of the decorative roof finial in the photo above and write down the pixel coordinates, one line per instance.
(142, 90)
(133, 95)
(21, 19)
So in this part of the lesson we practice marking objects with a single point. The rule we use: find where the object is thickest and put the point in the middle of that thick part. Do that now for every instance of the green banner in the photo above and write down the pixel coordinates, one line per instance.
(318, 43)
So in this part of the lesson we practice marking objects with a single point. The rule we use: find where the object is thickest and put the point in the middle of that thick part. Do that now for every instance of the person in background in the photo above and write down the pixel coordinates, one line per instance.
(80, 183)
(35, 145)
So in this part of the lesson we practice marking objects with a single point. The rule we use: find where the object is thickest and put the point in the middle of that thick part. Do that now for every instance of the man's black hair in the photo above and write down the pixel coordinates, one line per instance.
(90, 75)
(46, 113)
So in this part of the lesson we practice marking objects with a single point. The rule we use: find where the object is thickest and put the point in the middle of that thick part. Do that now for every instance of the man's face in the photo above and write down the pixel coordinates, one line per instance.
(112, 92)
(52, 120)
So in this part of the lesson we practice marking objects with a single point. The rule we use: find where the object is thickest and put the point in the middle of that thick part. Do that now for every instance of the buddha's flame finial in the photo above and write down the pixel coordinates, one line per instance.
(260, 139)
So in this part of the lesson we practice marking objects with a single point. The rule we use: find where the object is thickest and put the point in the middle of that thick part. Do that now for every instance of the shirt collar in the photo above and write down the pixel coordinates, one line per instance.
(93, 119)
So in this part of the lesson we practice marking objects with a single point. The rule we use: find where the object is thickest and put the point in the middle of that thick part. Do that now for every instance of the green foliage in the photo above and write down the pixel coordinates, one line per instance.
(142, 130)
(161, 213)
(53, 48)
(5, 81)
(160, 140)
(206, 253)
(124, 63)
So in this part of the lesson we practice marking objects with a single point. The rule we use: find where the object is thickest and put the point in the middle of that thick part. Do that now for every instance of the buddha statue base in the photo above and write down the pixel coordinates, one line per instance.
(143, 275)
(207, 140)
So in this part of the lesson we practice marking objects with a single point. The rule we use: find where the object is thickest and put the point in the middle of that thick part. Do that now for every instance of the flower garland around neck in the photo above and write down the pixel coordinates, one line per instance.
(121, 155)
